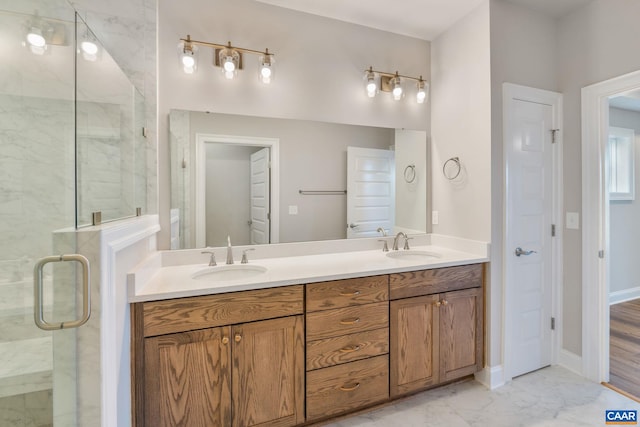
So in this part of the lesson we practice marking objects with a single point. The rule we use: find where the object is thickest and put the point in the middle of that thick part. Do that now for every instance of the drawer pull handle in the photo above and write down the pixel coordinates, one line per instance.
(238, 338)
(350, 294)
(350, 321)
(350, 349)
(353, 387)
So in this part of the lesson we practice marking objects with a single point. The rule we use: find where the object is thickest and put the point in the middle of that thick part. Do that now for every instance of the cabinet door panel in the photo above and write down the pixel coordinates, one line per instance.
(461, 333)
(414, 340)
(268, 372)
(187, 379)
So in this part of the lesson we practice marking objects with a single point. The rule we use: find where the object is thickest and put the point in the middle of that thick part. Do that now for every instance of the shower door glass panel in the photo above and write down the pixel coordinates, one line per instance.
(110, 146)
(38, 375)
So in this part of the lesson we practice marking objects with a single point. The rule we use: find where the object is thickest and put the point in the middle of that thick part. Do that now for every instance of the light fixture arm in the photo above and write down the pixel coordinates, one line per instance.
(392, 75)
(227, 46)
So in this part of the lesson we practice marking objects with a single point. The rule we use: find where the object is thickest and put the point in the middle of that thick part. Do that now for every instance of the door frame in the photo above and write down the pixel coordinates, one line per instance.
(595, 220)
(200, 180)
(510, 93)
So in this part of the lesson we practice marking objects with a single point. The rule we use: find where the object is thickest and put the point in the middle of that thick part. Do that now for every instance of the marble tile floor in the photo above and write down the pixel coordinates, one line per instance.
(552, 396)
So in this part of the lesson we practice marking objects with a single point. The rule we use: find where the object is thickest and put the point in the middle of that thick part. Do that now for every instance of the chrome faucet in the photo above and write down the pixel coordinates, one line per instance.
(383, 231)
(229, 251)
(395, 240)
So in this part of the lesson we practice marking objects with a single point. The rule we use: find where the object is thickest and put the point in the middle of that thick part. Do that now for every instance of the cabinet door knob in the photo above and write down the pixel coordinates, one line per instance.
(225, 340)
(437, 303)
(350, 349)
(350, 321)
(350, 388)
(238, 338)
(445, 302)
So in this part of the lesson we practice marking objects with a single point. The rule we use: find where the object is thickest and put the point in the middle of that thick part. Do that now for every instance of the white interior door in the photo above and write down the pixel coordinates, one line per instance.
(528, 251)
(370, 191)
(260, 178)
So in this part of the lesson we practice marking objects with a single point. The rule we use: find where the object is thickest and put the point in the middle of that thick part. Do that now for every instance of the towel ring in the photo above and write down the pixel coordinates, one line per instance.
(410, 173)
(457, 168)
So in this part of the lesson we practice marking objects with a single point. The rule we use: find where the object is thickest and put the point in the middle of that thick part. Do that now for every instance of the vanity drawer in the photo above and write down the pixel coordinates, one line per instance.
(425, 282)
(347, 320)
(344, 293)
(346, 387)
(347, 348)
(187, 314)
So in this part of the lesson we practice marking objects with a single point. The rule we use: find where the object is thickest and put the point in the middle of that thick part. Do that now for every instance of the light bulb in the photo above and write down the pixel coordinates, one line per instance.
(188, 55)
(89, 47)
(229, 66)
(265, 74)
(421, 96)
(371, 87)
(229, 74)
(397, 90)
(35, 38)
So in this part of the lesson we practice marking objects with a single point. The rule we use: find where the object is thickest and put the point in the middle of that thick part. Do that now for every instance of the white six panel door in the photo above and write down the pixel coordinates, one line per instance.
(529, 218)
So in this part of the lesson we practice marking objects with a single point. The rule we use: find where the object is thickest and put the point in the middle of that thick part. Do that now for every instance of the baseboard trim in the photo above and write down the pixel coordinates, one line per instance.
(624, 295)
(491, 377)
(570, 361)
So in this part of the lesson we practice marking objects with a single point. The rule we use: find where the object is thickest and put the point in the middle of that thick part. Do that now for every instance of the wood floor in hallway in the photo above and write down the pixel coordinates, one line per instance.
(624, 346)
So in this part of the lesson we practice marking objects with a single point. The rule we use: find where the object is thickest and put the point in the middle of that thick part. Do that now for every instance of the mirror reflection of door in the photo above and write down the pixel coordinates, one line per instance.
(370, 191)
(229, 188)
(259, 223)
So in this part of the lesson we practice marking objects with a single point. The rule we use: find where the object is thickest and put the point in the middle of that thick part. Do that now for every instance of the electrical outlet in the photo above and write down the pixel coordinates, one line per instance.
(434, 218)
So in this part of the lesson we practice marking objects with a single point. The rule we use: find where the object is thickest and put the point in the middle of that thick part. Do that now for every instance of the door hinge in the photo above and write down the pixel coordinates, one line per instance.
(553, 323)
(269, 216)
(601, 254)
(553, 230)
(553, 135)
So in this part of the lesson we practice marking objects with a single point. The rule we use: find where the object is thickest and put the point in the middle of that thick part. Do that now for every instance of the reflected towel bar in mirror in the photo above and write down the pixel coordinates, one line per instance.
(322, 192)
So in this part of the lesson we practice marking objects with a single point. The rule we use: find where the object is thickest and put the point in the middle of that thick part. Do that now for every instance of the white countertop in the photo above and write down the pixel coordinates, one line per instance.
(155, 280)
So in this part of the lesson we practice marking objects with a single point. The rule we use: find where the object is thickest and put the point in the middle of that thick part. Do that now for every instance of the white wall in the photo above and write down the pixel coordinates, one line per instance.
(596, 43)
(523, 51)
(624, 224)
(461, 127)
(319, 70)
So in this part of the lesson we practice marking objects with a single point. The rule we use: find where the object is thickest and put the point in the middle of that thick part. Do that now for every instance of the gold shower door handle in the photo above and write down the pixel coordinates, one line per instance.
(38, 285)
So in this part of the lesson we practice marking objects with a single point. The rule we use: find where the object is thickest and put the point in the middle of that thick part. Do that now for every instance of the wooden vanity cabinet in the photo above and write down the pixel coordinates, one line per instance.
(347, 323)
(436, 327)
(239, 371)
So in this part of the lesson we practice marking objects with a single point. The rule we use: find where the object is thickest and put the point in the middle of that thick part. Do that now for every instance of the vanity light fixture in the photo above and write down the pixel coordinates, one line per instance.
(89, 47)
(393, 82)
(229, 58)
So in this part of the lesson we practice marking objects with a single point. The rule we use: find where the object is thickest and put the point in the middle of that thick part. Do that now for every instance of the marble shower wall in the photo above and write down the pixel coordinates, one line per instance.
(127, 29)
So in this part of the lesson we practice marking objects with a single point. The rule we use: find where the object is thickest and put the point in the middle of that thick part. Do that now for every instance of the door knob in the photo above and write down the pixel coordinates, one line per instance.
(520, 251)
(352, 225)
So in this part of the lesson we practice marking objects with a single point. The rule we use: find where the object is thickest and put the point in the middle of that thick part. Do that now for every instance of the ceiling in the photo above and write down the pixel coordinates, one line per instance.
(423, 19)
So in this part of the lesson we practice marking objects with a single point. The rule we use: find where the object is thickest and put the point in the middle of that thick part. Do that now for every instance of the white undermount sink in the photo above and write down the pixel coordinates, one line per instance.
(411, 255)
(229, 272)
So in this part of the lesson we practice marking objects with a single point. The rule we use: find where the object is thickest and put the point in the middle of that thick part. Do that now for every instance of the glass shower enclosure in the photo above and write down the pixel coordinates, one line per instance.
(71, 145)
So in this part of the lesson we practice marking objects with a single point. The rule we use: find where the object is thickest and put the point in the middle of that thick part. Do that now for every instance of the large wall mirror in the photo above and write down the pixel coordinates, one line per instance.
(267, 180)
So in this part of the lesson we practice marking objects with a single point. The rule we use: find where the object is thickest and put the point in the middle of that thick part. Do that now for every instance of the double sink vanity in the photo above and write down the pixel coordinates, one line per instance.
(303, 332)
